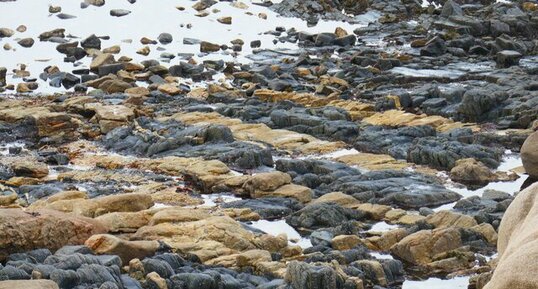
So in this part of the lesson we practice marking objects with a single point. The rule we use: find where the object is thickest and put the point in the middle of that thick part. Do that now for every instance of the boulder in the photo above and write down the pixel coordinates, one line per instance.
(421, 247)
(517, 244)
(27, 230)
(529, 155)
(472, 172)
(126, 250)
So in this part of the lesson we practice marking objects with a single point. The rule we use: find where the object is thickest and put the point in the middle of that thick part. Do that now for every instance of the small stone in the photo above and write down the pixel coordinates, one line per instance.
(21, 28)
(91, 41)
(169, 89)
(119, 12)
(26, 42)
(255, 43)
(262, 16)
(146, 41)
(209, 47)
(7, 46)
(165, 38)
(55, 9)
(144, 51)
(112, 49)
(6, 32)
(225, 20)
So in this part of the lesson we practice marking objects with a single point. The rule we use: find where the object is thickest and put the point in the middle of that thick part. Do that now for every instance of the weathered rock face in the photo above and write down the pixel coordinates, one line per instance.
(517, 244)
(27, 230)
(529, 155)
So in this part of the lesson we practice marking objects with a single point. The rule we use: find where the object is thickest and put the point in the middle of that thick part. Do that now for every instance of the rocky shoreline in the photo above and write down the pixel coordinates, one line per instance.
(388, 149)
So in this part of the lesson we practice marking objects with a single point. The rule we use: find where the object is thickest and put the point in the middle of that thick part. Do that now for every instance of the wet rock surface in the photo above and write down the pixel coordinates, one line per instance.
(359, 144)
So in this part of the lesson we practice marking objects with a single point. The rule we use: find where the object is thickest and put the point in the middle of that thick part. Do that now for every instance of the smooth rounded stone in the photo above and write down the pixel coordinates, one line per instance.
(323, 215)
(321, 238)
(529, 155)
(165, 38)
(28, 284)
(507, 58)
(268, 208)
(65, 16)
(516, 244)
(6, 32)
(119, 12)
(91, 41)
(26, 42)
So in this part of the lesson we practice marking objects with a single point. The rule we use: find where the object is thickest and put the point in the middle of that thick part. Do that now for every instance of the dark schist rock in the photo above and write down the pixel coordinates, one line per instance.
(174, 139)
(395, 188)
(507, 58)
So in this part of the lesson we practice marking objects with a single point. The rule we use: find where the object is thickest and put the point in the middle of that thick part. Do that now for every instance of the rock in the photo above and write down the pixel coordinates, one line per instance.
(507, 58)
(421, 247)
(126, 250)
(209, 47)
(97, 3)
(434, 47)
(6, 32)
(91, 41)
(28, 230)
(119, 12)
(338, 198)
(28, 284)
(165, 38)
(516, 244)
(114, 86)
(30, 169)
(144, 51)
(472, 172)
(322, 215)
(225, 20)
(266, 182)
(100, 60)
(345, 242)
(26, 42)
(300, 193)
(169, 89)
(306, 276)
(529, 155)
(55, 9)
(451, 8)
(447, 219)
(255, 43)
